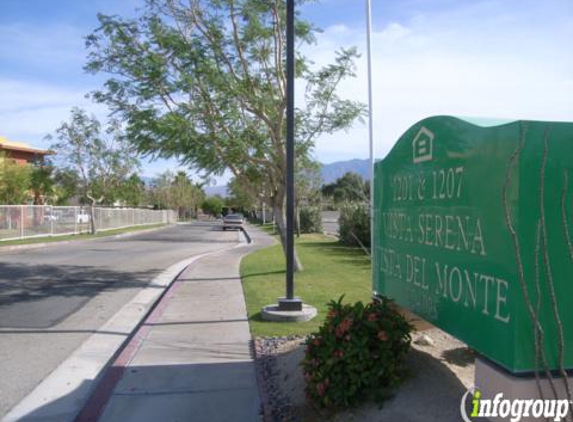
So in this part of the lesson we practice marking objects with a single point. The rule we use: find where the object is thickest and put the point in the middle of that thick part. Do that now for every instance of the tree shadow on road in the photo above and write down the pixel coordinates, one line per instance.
(46, 294)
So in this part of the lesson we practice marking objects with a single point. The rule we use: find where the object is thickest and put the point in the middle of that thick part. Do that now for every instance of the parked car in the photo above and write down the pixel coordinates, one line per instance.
(51, 217)
(233, 221)
(82, 218)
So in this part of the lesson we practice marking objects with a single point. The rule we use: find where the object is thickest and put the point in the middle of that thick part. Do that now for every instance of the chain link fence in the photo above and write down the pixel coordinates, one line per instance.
(28, 221)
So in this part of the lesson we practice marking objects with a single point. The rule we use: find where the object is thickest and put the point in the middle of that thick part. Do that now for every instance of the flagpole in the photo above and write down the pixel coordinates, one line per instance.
(370, 119)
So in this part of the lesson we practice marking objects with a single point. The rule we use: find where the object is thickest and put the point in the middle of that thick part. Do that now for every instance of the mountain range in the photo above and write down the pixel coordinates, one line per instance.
(329, 172)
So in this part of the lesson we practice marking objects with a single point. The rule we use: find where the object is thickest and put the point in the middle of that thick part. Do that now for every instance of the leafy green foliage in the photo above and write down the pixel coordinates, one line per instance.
(177, 192)
(307, 182)
(357, 354)
(101, 159)
(204, 81)
(241, 198)
(354, 224)
(212, 205)
(348, 188)
(66, 183)
(15, 182)
(42, 183)
(310, 220)
(131, 191)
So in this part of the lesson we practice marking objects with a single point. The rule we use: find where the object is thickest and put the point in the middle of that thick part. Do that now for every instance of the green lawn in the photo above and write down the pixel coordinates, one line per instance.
(269, 228)
(85, 236)
(331, 270)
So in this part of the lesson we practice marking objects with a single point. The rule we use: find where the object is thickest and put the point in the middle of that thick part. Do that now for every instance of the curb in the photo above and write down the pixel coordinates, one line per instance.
(39, 245)
(71, 385)
(266, 408)
(247, 236)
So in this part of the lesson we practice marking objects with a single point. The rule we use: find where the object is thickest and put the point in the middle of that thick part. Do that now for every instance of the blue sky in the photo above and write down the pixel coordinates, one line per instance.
(492, 58)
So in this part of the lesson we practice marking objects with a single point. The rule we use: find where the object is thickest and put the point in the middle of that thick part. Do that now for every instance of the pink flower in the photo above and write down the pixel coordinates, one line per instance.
(382, 335)
(372, 317)
(343, 327)
(321, 389)
(338, 353)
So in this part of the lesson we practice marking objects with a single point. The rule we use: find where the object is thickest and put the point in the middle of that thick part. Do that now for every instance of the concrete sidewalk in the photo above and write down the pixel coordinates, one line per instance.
(191, 360)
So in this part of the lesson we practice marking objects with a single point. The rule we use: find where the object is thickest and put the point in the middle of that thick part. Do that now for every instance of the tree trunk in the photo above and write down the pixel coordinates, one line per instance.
(281, 227)
(92, 217)
(91, 212)
(297, 220)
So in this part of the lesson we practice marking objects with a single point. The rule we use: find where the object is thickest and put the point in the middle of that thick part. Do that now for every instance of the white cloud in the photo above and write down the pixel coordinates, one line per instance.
(24, 94)
(31, 110)
(467, 68)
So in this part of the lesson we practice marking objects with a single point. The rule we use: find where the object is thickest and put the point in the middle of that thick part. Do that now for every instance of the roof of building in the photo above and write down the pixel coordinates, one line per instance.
(6, 144)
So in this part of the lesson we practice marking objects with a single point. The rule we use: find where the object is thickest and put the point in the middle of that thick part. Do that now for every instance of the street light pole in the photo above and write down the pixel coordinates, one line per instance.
(290, 59)
(289, 308)
(370, 120)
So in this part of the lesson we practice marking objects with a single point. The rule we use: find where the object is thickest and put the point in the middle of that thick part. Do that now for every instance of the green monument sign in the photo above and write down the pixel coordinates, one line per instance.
(472, 234)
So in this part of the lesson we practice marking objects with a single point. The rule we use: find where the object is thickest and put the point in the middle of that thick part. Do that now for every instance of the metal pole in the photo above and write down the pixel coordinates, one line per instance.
(370, 120)
(290, 149)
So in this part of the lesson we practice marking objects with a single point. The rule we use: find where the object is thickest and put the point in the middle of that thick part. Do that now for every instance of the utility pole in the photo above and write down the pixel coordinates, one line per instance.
(290, 303)
(370, 121)
(289, 308)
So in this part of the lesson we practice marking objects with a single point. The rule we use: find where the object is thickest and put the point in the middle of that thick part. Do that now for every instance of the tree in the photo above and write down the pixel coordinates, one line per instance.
(186, 196)
(160, 192)
(348, 188)
(205, 81)
(15, 181)
(177, 192)
(102, 160)
(66, 182)
(241, 198)
(42, 183)
(307, 188)
(131, 191)
(213, 205)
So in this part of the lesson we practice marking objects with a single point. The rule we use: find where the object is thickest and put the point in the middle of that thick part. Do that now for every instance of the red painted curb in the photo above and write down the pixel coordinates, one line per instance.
(95, 406)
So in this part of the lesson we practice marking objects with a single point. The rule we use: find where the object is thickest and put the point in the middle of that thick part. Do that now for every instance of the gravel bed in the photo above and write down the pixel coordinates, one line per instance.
(277, 405)
(442, 369)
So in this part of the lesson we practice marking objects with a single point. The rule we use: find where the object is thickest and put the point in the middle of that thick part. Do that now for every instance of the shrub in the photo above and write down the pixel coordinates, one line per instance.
(212, 205)
(15, 181)
(310, 220)
(358, 353)
(354, 224)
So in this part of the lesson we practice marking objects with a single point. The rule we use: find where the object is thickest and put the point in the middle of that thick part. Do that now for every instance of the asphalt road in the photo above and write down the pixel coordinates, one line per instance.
(54, 298)
(330, 222)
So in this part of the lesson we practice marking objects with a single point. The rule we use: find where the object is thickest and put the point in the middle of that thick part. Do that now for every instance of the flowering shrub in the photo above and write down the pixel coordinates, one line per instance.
(358, 353)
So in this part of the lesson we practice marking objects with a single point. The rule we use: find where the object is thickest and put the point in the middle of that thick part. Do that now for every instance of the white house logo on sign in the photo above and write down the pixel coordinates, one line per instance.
(422, 145)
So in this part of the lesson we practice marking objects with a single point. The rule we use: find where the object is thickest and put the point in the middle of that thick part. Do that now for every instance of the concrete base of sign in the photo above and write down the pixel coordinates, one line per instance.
(286, 304)
(275, 313)
(491, 380)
